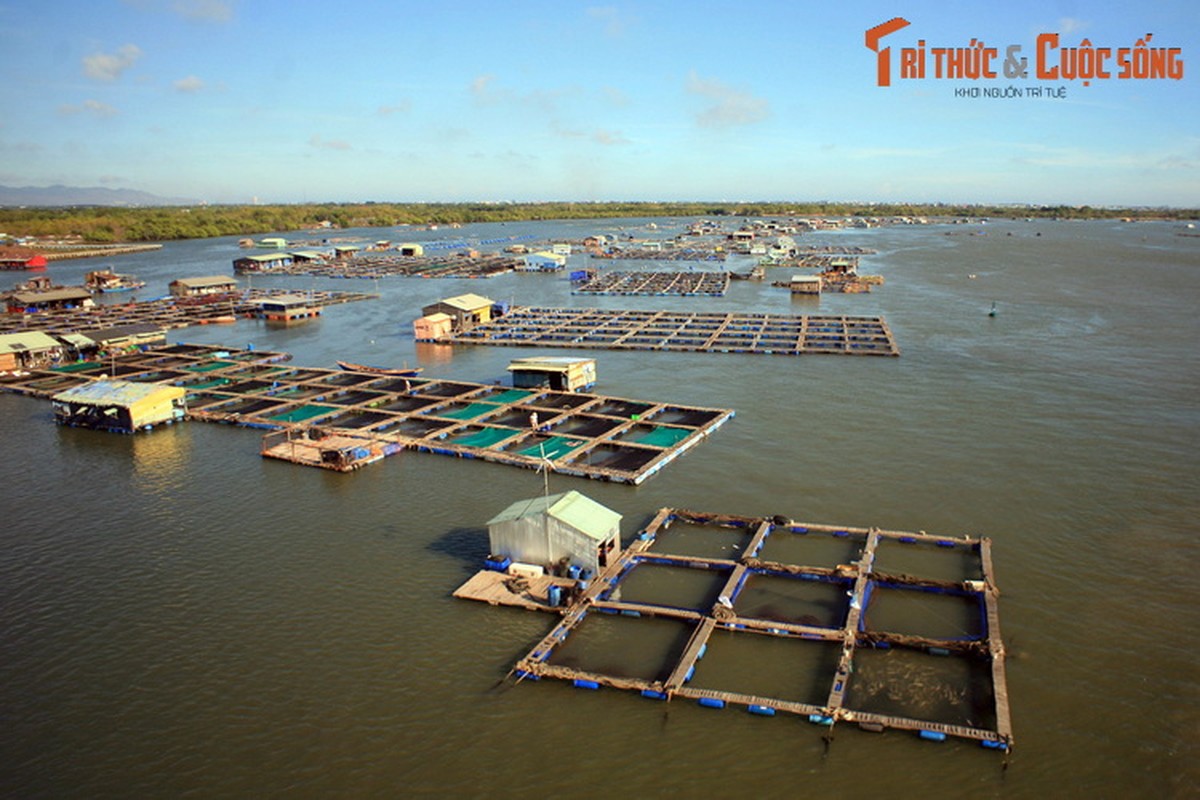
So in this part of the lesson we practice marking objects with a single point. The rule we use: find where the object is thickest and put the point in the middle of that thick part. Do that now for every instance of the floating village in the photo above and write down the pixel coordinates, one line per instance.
(851, 594)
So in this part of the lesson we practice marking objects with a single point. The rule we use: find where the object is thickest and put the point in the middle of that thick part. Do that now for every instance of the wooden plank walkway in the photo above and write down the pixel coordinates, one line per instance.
(769, 334)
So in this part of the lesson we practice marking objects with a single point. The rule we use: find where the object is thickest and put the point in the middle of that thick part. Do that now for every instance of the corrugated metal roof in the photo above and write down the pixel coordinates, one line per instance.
(24, 342)
(573, 508)
(116, 393)
(267, 257)
(547, 362)
(77, 339)
(66, 293)
(468, 302)
(101, 335)
(211, 280)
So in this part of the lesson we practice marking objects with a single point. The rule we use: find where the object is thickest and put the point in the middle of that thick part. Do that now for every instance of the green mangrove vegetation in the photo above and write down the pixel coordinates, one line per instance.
(105, 224)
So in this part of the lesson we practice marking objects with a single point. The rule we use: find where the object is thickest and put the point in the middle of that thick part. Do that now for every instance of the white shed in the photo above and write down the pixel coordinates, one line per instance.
(560, 528)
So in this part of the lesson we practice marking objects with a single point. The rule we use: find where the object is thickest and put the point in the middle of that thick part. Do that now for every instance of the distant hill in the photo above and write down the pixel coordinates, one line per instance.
(83, 196)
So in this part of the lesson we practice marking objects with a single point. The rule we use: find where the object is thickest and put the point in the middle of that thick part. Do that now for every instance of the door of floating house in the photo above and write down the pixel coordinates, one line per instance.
(545, 531)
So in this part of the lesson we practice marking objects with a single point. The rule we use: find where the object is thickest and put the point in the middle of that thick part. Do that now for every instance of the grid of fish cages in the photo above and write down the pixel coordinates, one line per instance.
(880, 629)
(583, 435)
(686, 284)
(712, 332)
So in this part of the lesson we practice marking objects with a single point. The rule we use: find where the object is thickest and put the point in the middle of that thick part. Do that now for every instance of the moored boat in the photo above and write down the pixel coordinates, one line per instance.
(402, 372)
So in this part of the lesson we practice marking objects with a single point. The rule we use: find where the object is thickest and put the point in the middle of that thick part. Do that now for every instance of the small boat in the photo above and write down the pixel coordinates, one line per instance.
(404, 372)
(992, 313)
(105, 280)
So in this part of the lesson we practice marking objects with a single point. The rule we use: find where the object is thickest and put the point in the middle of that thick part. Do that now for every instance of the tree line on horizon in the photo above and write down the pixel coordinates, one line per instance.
(106, 224)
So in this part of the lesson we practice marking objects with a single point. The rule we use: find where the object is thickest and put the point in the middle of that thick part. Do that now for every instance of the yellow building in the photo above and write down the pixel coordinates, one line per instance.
(119, 406)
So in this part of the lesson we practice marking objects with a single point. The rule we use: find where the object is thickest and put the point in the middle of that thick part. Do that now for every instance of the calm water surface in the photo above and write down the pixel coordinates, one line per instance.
(179, 617)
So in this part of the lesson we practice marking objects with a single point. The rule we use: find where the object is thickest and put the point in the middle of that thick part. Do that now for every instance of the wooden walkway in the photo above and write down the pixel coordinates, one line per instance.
(851, 637)
(683, 331)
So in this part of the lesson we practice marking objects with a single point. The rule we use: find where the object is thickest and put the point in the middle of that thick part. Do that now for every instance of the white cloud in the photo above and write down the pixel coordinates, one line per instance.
(608, 16)
(189, 85)
(601, 136)
(94, 107)
(328, 144)
(402, 107)
(205, 10)
(615, 96)
(109, 66)
(485, 92)
(729, 106)
(1071, 24)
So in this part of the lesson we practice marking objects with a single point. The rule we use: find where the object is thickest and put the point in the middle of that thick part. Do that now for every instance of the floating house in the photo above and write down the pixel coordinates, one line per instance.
(466, 310)
(562, 533)
(56, 299)
(13, 258)
(105, 281)
(345, 251)
(274, 242)
(544, 261)
(199, 287)
(411, 250)
(27, 350)
(307, 257)
(288, 308)
(121, 337)
(559, 373)
(268, 262)
(120, 406)
(433, 327)
(805, 284)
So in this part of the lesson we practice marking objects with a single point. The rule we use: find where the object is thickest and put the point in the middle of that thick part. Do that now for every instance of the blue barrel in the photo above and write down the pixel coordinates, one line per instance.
(554, 595)
(653, 695)
(583, 585)
(933, 736)
(581, 683)
(711, 702)
(765, 711)
(573, 572)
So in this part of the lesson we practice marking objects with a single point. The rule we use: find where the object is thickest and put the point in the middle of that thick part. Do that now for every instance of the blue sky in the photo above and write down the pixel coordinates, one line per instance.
(231, 100)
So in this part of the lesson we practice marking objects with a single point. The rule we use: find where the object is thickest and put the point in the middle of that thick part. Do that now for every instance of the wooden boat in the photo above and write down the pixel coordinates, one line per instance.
(405, 372)
(105, 280)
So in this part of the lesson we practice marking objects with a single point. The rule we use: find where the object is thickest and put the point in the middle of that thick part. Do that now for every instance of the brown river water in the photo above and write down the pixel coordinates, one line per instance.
(181, 618)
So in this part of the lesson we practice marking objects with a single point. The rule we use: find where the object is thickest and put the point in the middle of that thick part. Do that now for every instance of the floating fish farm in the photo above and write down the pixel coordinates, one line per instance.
(686, 284)
(713, 332)
(834, 625)
(584, 435)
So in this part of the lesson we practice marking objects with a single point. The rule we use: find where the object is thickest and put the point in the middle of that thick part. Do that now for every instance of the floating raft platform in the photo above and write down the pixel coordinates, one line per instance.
(383, 265)
(683, 331)
(660, 254)
(901, 630)
(583, 435)
(165, 312)
(687, 284)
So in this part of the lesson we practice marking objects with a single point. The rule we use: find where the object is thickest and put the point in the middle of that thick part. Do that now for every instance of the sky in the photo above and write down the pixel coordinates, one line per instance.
(236, 101)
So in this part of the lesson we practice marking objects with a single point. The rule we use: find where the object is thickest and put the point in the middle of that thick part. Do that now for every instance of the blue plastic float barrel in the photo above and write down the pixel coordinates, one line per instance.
(711, 702)
(764, 711)
(554, 595)
(933, 736)
(581, 683)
